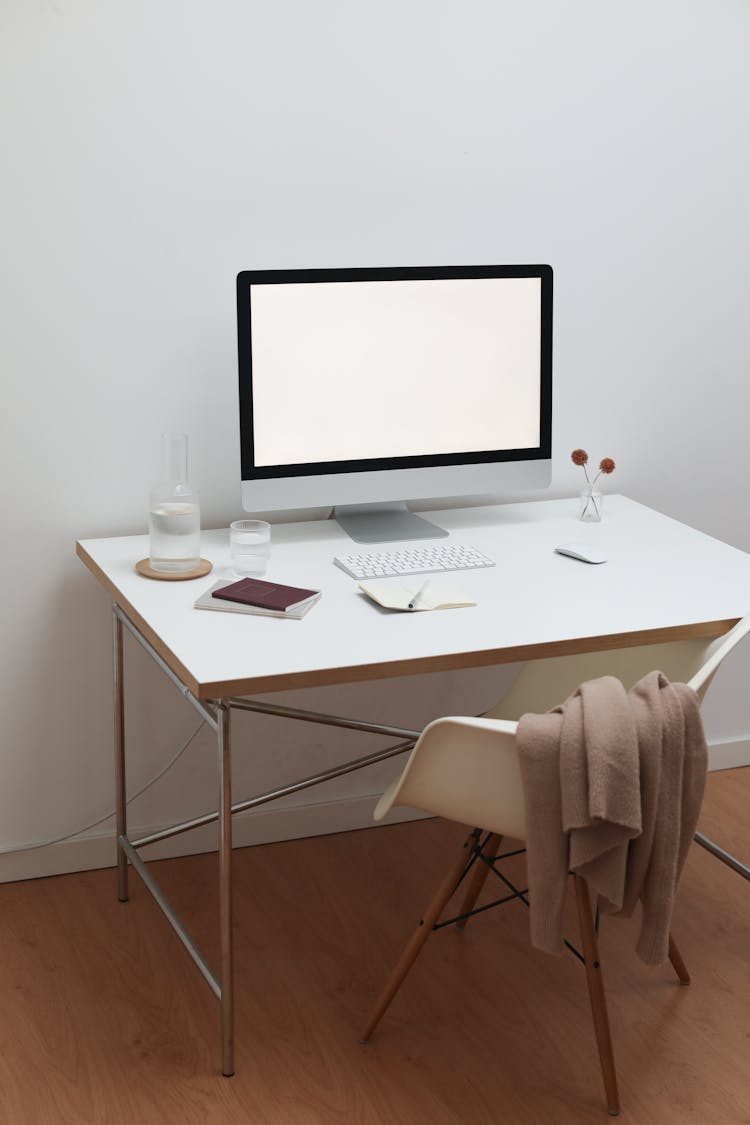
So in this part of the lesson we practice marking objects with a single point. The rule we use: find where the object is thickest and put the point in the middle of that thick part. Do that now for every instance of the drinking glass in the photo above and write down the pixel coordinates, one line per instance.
(249, 547)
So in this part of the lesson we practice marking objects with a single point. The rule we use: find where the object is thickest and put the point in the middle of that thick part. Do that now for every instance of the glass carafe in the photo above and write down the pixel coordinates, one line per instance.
(174, 514)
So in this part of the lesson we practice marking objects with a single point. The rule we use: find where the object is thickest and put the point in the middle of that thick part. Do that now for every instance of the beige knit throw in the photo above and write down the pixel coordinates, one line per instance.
(613, 783)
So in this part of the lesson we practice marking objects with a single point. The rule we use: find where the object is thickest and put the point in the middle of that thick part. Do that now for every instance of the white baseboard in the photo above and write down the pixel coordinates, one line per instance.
(262, 827)
(729, 754)
(265, 826)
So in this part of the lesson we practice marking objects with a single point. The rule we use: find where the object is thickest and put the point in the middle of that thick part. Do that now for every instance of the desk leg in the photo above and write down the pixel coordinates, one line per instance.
(119, 716)
(225, 887)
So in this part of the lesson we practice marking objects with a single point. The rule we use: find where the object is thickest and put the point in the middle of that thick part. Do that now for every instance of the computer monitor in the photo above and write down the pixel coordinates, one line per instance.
(365, 389)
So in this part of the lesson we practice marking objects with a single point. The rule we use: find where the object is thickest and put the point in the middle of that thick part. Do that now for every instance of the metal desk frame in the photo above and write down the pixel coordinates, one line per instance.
(216, 714)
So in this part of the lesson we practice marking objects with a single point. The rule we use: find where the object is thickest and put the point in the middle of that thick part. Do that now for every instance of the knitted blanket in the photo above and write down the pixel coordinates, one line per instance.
(613, 784)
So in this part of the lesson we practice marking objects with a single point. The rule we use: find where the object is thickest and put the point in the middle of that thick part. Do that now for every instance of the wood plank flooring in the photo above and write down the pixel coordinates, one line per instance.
(104, 1020)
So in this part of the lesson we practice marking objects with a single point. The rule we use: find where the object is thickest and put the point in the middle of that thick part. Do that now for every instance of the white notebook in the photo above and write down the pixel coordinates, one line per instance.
(208, 601)
(414, 594)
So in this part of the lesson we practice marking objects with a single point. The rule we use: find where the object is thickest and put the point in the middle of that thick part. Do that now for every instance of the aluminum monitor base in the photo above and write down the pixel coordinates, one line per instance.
(384, 523)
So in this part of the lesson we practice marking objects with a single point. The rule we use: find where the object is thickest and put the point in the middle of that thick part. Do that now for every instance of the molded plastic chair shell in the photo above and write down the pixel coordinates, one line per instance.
(466, 769)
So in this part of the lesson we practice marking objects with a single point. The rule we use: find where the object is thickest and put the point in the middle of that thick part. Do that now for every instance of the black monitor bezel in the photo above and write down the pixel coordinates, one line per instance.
(247, 278)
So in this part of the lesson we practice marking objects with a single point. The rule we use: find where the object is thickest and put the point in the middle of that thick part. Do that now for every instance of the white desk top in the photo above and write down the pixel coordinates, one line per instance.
(663, 580)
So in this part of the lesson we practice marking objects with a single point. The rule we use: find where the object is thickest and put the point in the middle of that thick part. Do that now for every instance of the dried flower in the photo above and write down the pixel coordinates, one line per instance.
(606, 466)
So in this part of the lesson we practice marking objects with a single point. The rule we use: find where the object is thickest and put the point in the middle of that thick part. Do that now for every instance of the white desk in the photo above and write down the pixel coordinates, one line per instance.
(663, 580)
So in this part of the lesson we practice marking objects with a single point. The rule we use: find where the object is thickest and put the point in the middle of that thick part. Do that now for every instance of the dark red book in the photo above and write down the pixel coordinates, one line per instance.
(268, 595)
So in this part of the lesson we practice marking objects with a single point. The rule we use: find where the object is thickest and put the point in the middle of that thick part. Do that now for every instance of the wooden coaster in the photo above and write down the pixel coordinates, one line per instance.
(144, 567)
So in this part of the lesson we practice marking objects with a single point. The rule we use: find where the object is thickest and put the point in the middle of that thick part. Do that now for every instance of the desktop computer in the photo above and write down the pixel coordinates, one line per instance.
(366, 389)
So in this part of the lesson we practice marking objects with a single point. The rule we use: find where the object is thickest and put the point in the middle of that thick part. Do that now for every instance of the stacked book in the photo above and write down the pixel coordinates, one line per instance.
(253, 595)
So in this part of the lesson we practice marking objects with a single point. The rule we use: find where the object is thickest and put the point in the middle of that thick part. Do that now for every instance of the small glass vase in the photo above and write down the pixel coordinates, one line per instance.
(590, 506)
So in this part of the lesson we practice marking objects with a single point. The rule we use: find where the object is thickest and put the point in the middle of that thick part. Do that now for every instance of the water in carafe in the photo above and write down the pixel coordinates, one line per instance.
(174, 514)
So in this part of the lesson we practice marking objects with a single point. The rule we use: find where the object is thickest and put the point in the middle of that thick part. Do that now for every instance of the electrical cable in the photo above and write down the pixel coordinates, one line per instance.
(96, 823)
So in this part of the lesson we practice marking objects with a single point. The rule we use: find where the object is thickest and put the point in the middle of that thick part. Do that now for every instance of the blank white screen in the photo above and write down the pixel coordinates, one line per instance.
(344, 371)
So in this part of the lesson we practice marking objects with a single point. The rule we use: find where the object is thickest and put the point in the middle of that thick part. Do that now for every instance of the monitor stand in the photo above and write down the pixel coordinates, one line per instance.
(384, 523)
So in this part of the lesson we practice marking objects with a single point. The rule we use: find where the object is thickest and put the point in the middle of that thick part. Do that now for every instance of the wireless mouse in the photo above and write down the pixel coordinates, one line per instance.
(583, 553)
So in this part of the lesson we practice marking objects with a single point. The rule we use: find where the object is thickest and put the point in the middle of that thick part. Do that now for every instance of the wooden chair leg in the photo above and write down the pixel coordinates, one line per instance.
(419, 937)
(677, 963)
(477, 878)
(596, 994)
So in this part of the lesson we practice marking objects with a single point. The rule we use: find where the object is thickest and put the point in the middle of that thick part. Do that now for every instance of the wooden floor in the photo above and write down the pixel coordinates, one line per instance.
(104, 1020)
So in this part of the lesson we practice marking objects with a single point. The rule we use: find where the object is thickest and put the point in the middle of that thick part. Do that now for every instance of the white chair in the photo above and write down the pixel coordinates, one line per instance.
(467, 770)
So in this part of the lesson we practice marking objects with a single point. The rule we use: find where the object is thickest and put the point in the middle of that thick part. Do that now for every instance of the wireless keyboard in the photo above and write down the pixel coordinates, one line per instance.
(412, 560)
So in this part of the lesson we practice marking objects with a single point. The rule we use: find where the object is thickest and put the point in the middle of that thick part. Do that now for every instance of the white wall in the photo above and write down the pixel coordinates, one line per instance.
(150, 151)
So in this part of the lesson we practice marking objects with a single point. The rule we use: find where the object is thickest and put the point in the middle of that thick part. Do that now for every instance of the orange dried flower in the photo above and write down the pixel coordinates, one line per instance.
(606, 465)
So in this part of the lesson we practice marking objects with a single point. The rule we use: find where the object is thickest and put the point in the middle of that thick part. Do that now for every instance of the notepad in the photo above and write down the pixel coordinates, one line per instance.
(265, 595)
(217, 598)
(412, 595)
